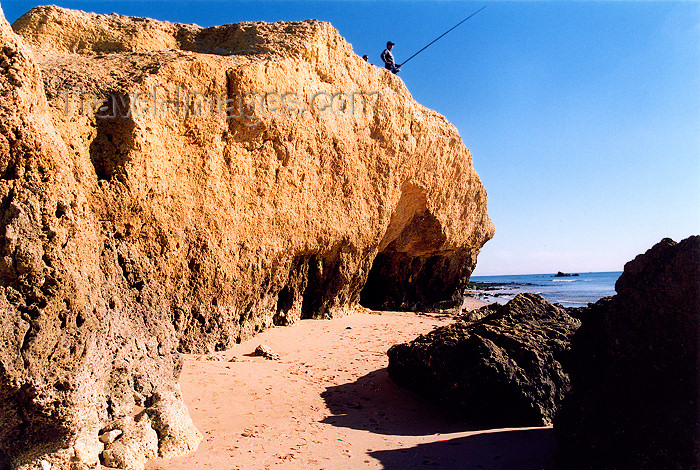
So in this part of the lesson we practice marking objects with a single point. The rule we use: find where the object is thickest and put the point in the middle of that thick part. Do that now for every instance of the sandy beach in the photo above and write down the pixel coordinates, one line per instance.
(328, 403)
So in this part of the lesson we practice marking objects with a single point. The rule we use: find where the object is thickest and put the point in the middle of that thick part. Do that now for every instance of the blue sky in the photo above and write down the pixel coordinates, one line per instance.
(583, 118)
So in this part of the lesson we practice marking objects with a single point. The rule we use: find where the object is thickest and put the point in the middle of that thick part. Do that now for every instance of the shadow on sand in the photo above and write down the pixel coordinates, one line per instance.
(522, 449)
(375, 403)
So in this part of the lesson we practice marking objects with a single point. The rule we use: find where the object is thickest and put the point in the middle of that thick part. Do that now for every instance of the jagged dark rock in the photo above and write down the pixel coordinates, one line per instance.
(502, 370)
(634, 369)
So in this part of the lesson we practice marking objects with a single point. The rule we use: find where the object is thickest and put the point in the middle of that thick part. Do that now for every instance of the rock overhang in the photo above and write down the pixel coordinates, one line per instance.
(155, 233)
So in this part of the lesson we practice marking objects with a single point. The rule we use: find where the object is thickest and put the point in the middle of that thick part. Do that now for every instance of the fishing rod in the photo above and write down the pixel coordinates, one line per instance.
(443, 34)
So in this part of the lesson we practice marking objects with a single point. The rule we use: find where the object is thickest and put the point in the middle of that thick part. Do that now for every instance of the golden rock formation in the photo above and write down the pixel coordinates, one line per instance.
(168, 188)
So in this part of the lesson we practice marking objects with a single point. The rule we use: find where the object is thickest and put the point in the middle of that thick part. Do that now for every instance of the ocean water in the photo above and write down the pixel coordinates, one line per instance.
(573, 291)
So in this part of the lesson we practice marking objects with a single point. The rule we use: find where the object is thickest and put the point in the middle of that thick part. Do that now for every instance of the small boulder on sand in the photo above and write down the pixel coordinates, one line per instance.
(266, 352)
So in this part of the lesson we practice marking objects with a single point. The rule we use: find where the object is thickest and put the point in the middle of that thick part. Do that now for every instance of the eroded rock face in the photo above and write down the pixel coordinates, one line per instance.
(78, 348)
(634, 369)
(132, 231)
(503, 369)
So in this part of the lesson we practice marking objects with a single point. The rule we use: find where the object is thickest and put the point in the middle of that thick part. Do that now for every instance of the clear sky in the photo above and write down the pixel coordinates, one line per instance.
(583, 118)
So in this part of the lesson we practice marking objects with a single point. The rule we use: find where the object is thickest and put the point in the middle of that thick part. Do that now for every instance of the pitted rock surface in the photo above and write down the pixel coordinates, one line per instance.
(132, 232)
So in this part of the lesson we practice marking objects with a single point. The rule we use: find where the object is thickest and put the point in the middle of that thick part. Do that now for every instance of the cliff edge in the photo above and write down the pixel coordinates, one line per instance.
(167, 188)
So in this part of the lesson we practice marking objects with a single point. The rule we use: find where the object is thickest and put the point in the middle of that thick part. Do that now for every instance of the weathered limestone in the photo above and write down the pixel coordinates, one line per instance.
(126, 239)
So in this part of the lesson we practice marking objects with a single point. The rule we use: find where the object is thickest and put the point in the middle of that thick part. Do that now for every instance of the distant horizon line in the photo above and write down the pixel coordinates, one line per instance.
(544, 274)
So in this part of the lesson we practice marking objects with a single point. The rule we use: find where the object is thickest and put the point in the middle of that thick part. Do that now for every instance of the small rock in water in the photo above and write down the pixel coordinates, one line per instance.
(266, 352)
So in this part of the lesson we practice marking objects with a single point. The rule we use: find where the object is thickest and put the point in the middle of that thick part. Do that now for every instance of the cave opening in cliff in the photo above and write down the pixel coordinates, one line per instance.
(399, 281)
(412, 267)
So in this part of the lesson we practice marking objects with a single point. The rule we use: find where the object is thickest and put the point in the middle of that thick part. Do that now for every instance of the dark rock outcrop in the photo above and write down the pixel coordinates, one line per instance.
(634, 369)
(501, 370)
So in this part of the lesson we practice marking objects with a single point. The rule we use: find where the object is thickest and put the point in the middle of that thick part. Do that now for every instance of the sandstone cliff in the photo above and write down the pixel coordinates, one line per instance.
(174, 188)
